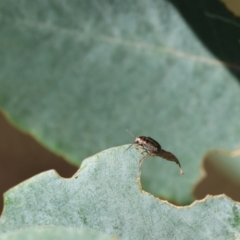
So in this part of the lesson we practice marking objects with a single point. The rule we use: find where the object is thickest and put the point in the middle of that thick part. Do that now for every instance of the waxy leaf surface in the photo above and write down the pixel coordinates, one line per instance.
(76, 74)
(105, 196)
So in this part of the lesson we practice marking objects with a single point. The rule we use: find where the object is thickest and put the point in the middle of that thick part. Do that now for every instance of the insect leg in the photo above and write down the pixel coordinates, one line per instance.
(143, 150)
(141, 160)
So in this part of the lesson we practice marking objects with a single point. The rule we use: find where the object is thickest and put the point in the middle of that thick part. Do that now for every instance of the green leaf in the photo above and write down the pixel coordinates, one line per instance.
(51, 233)
(76, 74)
(105, 195)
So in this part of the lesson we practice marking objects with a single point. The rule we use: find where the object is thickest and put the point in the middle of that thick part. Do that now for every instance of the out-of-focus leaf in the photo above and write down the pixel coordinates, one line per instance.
(76, 74)
(217, 27)
(52, 233)
(105, 195)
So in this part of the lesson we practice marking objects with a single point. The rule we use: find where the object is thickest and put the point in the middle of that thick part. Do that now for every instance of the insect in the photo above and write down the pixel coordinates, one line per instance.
(153, 148)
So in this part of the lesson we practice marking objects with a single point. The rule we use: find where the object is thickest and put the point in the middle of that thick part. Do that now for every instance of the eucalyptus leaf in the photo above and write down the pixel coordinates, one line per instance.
(76, 74)
(51, 233)
(105, 195)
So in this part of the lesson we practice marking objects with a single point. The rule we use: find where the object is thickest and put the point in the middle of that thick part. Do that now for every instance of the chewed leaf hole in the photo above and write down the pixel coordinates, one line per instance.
(215, 182)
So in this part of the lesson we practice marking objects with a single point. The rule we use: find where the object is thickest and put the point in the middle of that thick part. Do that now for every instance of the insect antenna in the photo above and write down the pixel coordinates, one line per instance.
(130, 133)
(129, 147)
(132, 136)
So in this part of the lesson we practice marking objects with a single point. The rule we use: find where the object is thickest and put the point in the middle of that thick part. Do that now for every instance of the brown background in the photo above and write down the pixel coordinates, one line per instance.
(21, 157)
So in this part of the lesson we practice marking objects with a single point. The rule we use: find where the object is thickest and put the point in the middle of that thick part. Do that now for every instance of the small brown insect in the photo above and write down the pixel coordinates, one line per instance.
(153, 148)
